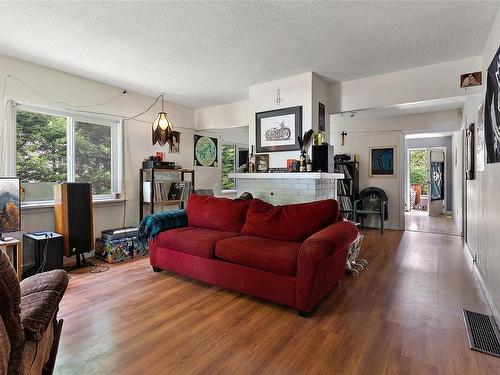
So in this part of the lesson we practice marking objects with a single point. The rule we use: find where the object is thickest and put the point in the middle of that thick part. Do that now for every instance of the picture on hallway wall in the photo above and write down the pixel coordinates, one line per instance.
(470, 153)
(491, 111)
(383, 162)
(471, 79)
(205, 151)
(321, 118)
(480, 146)
(278, 130)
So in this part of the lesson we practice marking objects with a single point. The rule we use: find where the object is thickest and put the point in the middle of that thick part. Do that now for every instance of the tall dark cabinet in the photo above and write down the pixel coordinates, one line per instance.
(348, 187)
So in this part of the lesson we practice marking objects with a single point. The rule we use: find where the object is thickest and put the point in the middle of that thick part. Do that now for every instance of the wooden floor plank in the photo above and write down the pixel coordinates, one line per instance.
(402, 315)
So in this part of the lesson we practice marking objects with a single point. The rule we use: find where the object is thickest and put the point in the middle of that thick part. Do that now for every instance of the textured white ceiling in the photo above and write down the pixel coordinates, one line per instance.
(205, 53)
(428, 106)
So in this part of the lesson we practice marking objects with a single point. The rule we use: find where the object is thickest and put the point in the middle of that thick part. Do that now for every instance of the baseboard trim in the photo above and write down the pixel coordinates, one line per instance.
(489, 300)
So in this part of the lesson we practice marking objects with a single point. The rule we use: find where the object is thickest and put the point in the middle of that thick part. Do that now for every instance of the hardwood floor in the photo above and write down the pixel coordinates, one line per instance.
(402, 315)
(441, 224)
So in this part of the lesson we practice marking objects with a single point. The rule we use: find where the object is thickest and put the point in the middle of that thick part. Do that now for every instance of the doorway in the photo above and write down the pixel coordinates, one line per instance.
(428, 187)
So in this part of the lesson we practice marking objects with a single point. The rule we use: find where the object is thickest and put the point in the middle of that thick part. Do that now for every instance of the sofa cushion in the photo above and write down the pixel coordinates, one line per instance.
(195, 241)
(4, 348)
(293, 222)
(261, 253)
(222, 214)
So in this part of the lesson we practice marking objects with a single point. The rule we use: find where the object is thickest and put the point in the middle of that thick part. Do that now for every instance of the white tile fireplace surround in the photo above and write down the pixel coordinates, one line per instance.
(285, 188)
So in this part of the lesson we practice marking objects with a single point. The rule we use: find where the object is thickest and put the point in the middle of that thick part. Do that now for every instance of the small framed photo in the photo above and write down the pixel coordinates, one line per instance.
(471, 79)
(160, 156)
(383, 162)
(262, 163)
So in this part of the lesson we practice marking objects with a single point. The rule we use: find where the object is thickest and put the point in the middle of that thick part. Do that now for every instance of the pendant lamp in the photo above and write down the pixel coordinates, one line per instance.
(162, 127)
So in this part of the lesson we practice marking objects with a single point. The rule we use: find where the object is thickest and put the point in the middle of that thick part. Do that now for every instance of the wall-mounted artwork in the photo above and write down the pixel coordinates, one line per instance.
(471, 79)
(469, 160)
(437, 180)
(174, 143)
(10, 206)
(278, 130)
(205, 151)
(321, 118)
(383, 161)
(491, 112)
(480, 146)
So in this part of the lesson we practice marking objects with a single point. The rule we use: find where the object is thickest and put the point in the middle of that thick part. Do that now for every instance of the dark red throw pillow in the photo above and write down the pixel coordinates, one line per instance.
(293, 222)
(222, 214)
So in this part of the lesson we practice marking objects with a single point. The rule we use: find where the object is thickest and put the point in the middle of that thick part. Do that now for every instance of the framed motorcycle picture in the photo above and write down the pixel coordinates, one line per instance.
(277, 130)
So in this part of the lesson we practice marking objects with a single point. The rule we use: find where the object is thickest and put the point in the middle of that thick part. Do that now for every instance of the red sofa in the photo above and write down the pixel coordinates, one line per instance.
(292, 254)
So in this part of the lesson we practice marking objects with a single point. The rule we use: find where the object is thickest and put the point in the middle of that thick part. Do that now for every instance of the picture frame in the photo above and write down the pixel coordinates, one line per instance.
(470, 152)
(277, 130)
(10, 204)
(206, 151)
(471, 79)
(383, 162)
(262, 163)
(175, 142)
(321, 118)
(492, 112)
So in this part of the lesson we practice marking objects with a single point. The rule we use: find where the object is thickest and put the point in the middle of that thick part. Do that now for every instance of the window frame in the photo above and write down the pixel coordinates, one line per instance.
(237, 147)
(115, 124)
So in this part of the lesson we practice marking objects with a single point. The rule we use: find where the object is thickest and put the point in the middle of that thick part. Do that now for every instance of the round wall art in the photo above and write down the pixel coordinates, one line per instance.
(205, 151)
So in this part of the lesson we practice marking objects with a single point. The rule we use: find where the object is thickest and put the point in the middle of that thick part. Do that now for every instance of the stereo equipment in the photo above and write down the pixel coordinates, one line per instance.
(322, 158)
(117, 233)
(42, 251)
(73, 217)
(342, 157)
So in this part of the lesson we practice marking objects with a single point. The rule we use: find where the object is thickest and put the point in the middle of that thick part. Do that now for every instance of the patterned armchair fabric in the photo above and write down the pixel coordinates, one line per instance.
(29, 330)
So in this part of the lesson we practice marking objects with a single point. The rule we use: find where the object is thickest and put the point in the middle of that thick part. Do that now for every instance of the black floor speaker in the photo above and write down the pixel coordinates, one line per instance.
(73, 217)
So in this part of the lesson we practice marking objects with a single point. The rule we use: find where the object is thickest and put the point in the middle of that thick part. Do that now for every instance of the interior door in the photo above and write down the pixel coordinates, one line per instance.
(436, 181)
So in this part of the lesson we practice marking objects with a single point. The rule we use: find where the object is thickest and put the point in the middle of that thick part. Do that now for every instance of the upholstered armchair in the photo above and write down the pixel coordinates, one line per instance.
(29, 329)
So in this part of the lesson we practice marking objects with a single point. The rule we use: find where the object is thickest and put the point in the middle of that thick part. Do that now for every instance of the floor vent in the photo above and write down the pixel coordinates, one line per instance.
(482, 332)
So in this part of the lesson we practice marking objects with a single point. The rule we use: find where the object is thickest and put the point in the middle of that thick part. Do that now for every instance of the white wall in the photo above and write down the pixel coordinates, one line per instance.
(483, 200)
(222, 116)
(428, 82)
(80, 91)
(295, 91)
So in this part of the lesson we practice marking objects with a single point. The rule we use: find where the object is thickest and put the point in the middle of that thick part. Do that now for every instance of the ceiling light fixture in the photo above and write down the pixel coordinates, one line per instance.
(162, 126)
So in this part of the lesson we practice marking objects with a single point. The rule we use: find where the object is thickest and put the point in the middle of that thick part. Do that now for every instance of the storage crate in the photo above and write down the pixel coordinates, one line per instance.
(119, 250)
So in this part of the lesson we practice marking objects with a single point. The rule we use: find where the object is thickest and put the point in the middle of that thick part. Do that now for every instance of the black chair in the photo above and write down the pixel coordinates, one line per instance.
(373, 201)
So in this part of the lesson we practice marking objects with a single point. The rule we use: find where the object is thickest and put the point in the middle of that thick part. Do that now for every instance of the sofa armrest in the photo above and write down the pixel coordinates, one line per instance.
(40, 298)
(327, 241)
(153, 224)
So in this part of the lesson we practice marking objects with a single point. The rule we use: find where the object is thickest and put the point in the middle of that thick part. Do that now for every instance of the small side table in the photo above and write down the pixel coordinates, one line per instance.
(12, 247)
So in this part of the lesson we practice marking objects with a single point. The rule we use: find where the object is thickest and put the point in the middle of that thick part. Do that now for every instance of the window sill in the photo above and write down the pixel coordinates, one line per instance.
(229, 191)
(49, 205)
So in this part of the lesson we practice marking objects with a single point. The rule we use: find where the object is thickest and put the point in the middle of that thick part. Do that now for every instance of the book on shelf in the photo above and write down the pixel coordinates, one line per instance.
(344, 187)
(345, 203)
(166, 190)
(342, 168)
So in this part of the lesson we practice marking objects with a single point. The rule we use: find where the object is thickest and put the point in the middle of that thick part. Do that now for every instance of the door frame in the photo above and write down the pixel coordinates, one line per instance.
(407, 190)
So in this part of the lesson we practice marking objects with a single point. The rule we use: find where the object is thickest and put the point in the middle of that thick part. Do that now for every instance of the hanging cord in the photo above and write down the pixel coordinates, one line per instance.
(39, 93)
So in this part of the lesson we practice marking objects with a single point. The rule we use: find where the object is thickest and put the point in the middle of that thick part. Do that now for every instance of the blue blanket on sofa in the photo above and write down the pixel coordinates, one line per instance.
(153, 224)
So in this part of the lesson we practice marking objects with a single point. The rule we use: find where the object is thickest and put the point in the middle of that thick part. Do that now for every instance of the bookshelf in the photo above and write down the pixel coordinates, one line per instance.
(347, 187)
(155, 192)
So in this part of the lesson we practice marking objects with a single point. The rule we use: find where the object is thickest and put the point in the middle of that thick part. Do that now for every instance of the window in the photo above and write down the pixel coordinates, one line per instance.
(54, 147)
(228, 166)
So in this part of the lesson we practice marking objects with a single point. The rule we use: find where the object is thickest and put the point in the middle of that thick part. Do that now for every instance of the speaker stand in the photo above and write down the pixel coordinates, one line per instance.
(80, 263)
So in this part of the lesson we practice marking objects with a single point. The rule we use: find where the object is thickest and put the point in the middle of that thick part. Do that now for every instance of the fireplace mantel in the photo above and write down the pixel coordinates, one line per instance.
(296, 175)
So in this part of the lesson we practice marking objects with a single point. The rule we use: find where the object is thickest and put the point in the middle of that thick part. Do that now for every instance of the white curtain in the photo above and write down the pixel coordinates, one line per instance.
(8, 139)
